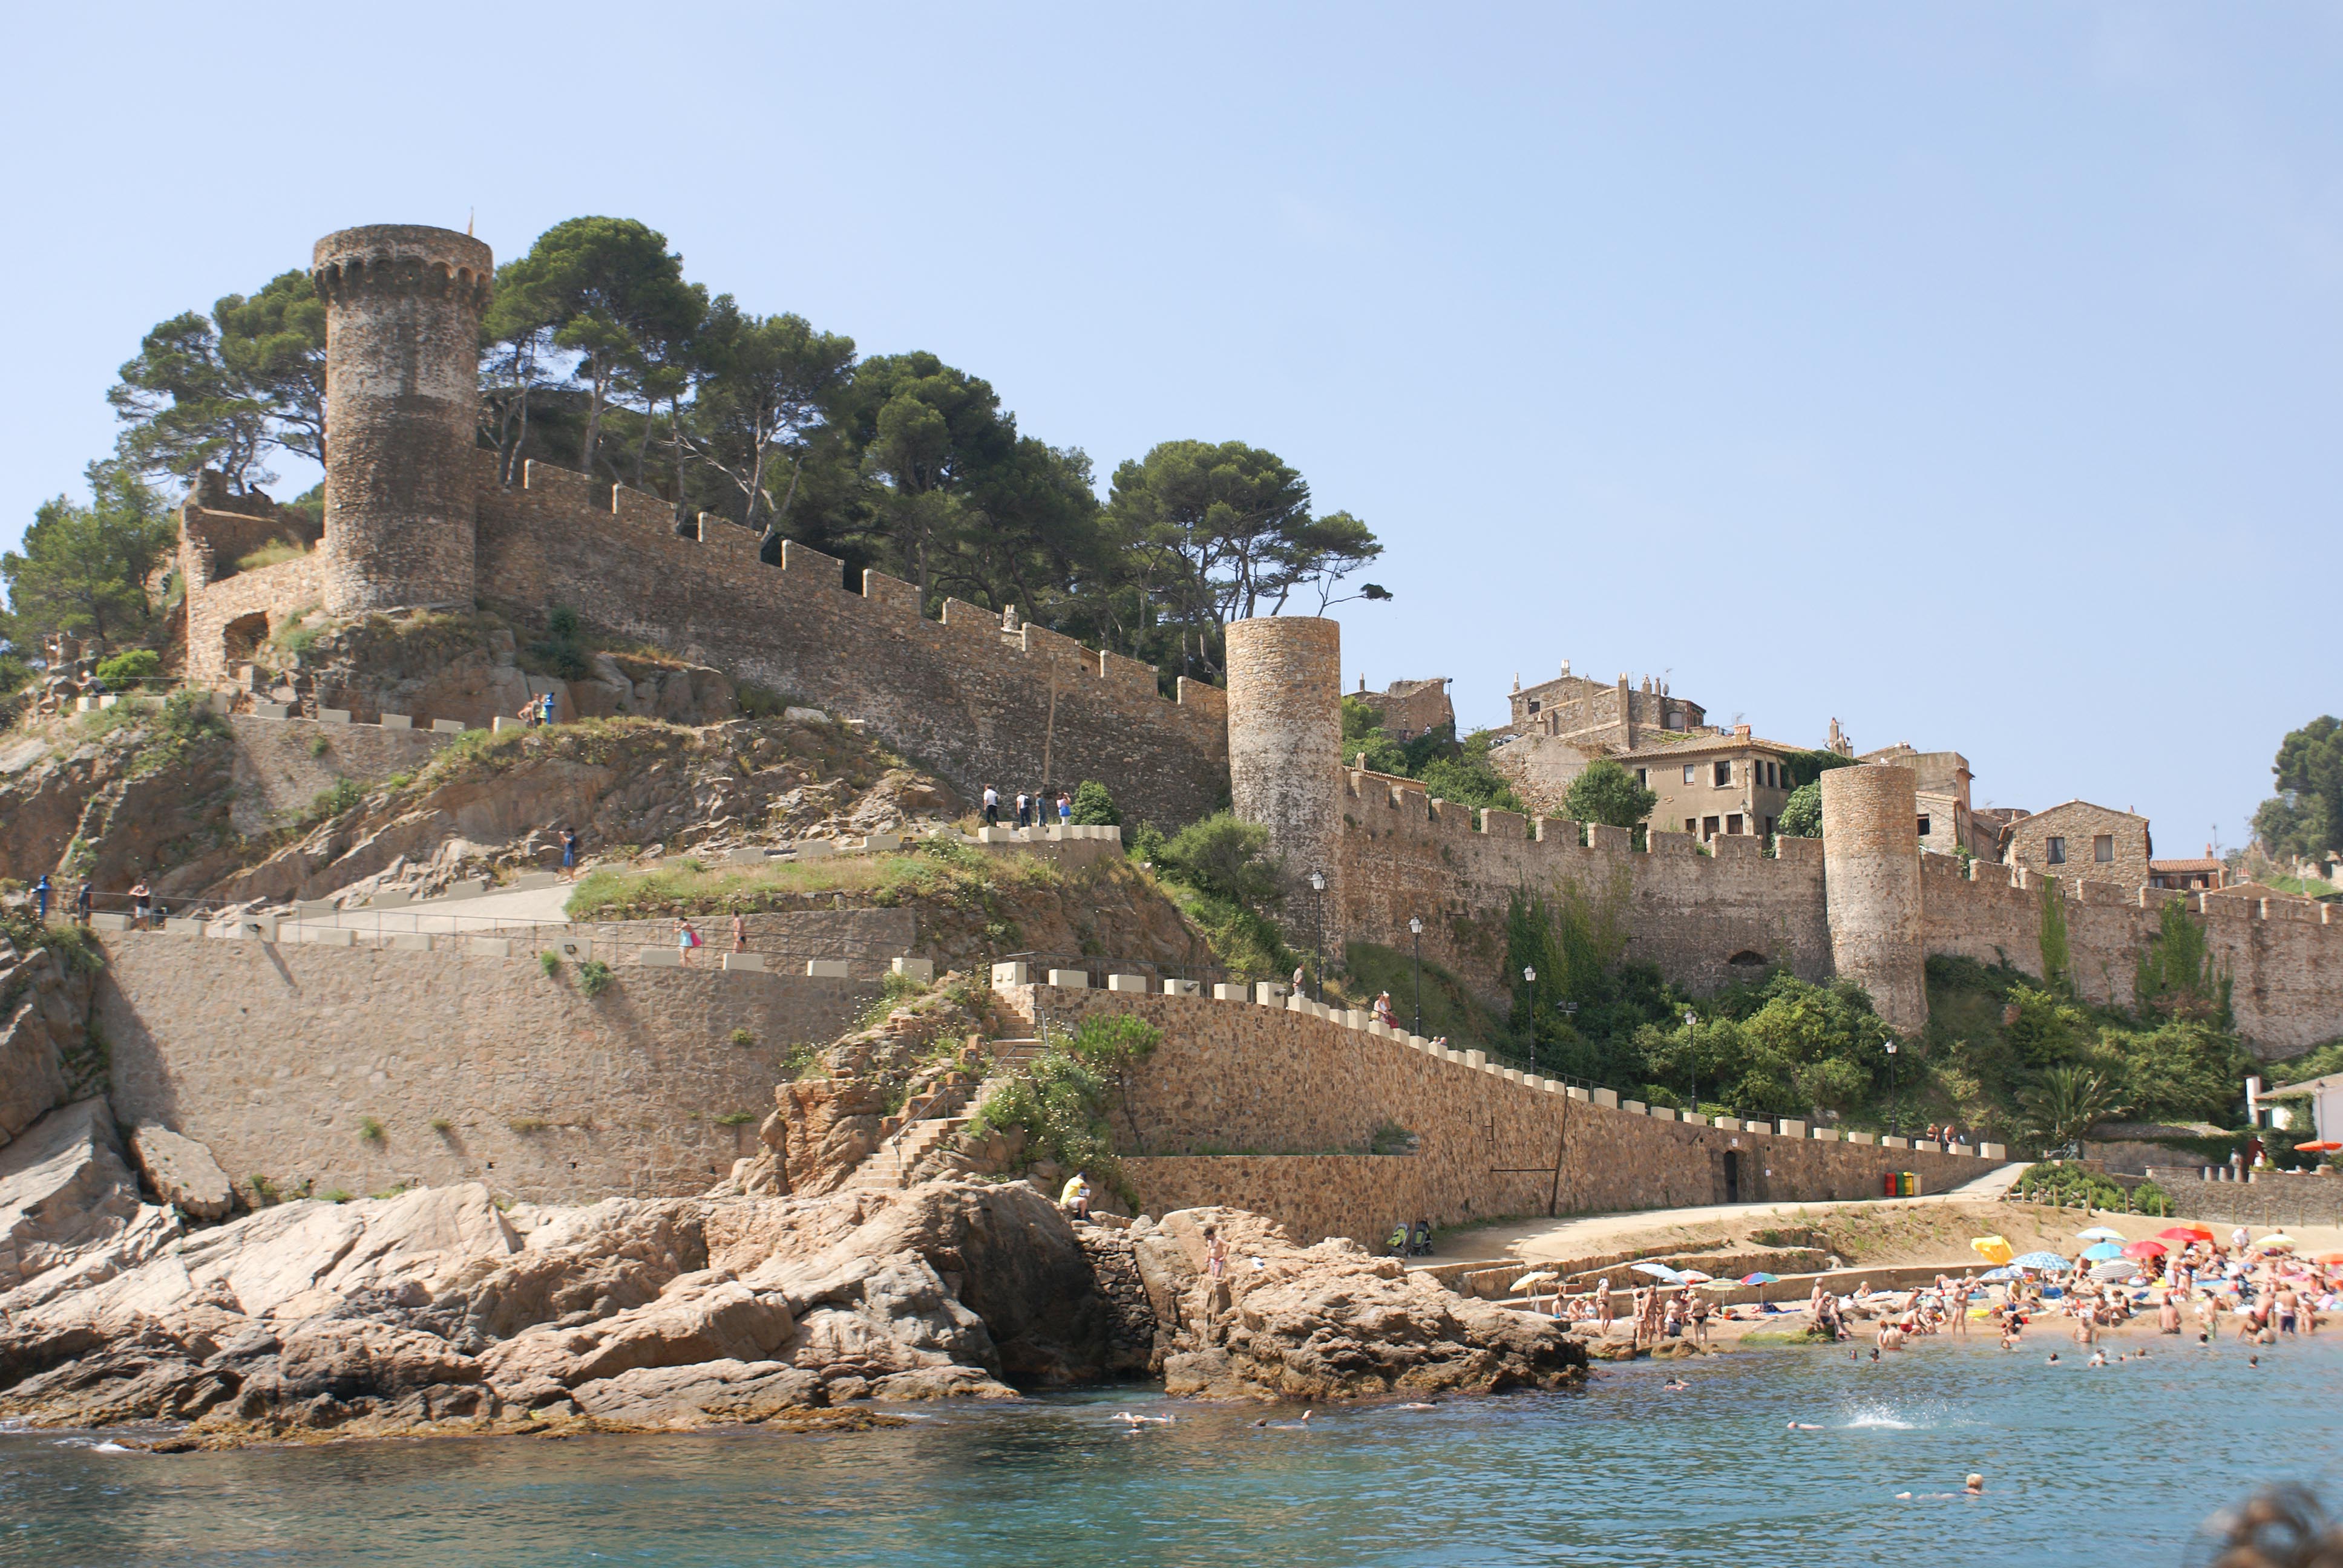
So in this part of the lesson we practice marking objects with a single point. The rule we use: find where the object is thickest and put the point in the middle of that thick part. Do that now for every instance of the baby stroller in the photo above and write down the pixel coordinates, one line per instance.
(1411, 1241)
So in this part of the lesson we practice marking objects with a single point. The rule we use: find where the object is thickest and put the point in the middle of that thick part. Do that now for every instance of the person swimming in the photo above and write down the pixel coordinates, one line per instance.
(1804, 1426)
(1674, 1385)
(1130, 1419)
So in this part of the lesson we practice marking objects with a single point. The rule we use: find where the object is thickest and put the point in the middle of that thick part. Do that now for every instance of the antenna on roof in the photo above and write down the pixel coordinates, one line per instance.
(470, 216)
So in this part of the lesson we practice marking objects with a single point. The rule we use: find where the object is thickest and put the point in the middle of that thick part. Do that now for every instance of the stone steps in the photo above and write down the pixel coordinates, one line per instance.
(890, 1164)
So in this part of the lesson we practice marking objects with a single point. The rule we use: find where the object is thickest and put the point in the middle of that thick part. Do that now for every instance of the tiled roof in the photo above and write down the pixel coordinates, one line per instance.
(2187, 866)
(1709, 743)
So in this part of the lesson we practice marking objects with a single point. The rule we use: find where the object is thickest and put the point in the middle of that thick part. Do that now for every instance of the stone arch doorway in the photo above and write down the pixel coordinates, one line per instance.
(241, 637)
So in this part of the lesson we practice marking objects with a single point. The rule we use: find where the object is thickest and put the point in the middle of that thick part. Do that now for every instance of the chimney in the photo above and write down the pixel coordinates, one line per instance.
(1741, 733)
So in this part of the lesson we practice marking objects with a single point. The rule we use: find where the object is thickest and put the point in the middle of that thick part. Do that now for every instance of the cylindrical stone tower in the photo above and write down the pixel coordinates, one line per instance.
(1285, 757)
(1871, 879)
(403, 306)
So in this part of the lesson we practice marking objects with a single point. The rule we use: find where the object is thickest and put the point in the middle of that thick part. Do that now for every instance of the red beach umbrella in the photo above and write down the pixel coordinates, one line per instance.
(2146, 1249)
(2184, 1234)
(2317, 1148)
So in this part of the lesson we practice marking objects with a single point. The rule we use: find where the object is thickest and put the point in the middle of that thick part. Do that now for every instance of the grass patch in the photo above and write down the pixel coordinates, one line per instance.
(342, 795)
(550, 963)
(527, 1124)
(335, 1195)
(441, 1125)
(1449, 1006)
(741, 1038)
(370, 1129)
(594, 977)
(736, 1118)
(935, 871)
(276, 552)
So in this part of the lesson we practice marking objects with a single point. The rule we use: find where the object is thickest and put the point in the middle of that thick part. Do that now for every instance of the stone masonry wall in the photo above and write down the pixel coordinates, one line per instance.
(278, 592)
(1281, 1093)
(273, 1054)
(2271, 1198)
(978, 706)
(1691, 914)
(2284, 956)
(280, 768)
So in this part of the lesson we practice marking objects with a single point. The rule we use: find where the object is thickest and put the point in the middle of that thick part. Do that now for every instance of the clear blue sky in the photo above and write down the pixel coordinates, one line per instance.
(1968, 372)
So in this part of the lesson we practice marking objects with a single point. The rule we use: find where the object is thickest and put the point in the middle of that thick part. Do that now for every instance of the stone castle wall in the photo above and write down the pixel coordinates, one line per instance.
(272, 1054)
(2284, 956)
(1701, 918)
(1284, 1098)
(282, 765)
(958, 695)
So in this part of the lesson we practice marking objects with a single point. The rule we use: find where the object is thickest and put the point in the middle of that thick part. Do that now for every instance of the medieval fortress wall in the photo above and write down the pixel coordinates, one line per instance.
(416, 515)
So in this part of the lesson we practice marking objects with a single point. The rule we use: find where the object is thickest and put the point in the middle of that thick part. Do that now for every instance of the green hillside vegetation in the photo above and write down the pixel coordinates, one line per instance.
(1447, 768)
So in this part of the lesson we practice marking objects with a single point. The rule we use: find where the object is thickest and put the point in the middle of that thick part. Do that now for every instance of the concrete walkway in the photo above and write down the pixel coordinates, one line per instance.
(1538, 1241)
(514, 907)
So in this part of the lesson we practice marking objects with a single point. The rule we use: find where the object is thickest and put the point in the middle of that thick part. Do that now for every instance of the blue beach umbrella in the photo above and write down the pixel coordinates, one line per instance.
(1999, 1275)
(2046, 1263)
(2102, 1252)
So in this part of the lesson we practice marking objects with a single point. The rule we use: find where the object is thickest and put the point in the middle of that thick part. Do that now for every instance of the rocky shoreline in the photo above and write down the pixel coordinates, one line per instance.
(434, 1313)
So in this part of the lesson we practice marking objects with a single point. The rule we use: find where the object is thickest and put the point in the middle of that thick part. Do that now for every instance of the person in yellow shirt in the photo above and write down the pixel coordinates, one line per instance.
(1076, 1199)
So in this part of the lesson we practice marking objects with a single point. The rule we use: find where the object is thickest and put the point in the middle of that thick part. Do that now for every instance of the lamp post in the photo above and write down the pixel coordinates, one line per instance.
(1318, 937)
(1895, 1091)
(1529, 973)
(1692, 1055)
(1415, 939)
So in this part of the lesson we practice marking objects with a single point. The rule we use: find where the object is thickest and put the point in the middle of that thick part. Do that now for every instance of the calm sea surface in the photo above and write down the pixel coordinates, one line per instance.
(2084, 1467)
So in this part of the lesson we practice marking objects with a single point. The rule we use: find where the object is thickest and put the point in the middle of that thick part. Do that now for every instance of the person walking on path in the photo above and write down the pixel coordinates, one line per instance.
(41, 898)
(545, 706)
(1065, 808)
(991, 807)
(81, 902)
(685, 938)
(739, 932)
(569, 854)
(1386, 1014)
(142, 903)
(1025, 809)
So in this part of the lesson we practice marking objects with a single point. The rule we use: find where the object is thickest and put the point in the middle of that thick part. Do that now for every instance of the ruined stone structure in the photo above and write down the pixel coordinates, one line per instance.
(1407, 708)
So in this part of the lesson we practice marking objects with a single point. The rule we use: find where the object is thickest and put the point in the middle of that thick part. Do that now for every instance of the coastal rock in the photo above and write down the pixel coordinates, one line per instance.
(709, 1394)
(63, 1187)
(183, 1172)
(1332, 1322)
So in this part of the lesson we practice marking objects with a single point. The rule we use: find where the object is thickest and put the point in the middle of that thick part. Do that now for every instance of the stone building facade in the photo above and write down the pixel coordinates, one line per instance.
(1407, 708)
(2095, 843)
(1734, 783)
(1594, 715)
(1941, 782)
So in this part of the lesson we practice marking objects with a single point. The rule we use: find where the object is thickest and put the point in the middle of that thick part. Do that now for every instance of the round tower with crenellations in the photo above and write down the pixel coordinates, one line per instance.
(403, 307)
(1285, 751)
(1871, 882)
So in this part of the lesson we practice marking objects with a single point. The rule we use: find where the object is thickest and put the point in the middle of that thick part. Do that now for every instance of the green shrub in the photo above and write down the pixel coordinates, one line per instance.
(528, 1124)
(550, 963)
(126, 669)
(1060, 1106)
(742, 1037)
(341, 796)
(370, 1129)
(1802, 813)
(736, 1118)
(1093, 807)
(441, 1125)
(276, 552)
(594, 977)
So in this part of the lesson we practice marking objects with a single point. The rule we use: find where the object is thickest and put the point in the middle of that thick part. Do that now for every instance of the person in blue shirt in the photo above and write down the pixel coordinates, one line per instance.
(41, 896)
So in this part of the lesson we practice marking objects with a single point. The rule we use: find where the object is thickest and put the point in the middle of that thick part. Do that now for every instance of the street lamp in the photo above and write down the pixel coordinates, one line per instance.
(1692, 1055)
(1318, 939)
(1415, 937)
(1895, 1091)
(1530, 974)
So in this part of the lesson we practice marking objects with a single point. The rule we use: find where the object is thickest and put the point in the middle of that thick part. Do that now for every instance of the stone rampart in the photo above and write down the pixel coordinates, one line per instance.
(1702, 917)
(273, 1055)
(229, 619)
(2271, 1198)
(1272, 1107)
(2284, 956)
(979, 705)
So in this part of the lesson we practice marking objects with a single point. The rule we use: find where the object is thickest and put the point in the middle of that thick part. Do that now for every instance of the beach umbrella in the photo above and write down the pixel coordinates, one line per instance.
(2100, 1251)
(1694, 1276)
(2317, 1148)
(1660, 1272)
(2100, 1233)
(2328, 1260)
(2276, 1241)
(1528, 1282)
(2115, 1269)
(1992, 1249)
(2048, 1262)
(2146, 1249)
(1999, 1275)
(2184, 1234)
(1760, 1278)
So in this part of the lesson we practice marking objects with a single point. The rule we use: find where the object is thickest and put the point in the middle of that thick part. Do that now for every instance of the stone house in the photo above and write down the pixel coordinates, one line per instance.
(1946, 821)
(1599, 718)
(1732, 784)
(2078, 840)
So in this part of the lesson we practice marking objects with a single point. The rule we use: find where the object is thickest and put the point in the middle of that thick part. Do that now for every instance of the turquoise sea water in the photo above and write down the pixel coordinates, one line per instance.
(2082, 1466)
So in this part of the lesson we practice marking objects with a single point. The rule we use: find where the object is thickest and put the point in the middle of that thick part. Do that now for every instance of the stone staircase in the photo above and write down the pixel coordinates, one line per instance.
(934, 1119)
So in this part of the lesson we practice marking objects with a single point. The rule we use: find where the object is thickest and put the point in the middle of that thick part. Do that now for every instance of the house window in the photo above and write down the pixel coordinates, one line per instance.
(2103, 848)
(1723, 774)
(1769, 827)
(1773, 774)
(1641, 777)
(1692, 824)
(1733, 824)
(1924, 827)
(1675, 721)
(2054, 849)
(1690, 767)
(1534, 705)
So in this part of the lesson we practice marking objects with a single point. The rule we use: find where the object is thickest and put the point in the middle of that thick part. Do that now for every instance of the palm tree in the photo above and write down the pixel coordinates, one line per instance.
(2063, 1102)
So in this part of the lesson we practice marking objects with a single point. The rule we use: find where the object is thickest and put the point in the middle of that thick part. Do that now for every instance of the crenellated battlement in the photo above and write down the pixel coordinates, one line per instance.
(978, 702)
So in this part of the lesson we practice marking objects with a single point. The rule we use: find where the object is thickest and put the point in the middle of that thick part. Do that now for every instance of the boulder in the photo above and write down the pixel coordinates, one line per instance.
(181, 1172)
(1332, 1322)
(724, 1392)
(32, 1072)
(63, 1187)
